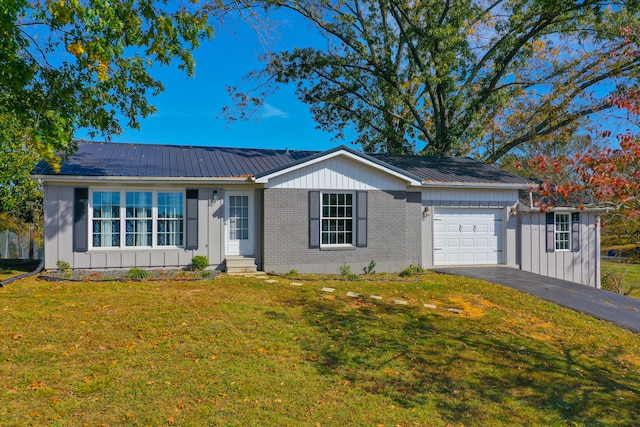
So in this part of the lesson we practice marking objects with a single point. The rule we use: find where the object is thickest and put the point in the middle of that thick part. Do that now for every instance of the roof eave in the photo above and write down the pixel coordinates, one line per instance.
(344, 151)
(87, 179)
(528, 209)
(481, 185)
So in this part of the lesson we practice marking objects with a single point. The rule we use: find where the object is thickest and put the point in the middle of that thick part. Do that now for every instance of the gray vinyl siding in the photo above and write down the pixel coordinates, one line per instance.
(58, 207)
(582, 266)
(393, 241)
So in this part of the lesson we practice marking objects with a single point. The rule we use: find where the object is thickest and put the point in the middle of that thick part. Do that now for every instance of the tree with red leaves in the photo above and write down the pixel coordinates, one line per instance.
(608, 176)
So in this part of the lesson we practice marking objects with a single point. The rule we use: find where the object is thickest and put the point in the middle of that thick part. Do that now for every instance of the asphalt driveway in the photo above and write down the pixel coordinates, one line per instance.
(619, 309)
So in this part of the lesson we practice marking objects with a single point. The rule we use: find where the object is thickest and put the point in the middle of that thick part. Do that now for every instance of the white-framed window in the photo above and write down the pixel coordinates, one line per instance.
(562, 231)
(105, 223)
(337, 209)
(128, 219)
(139, 218)
(170, 220)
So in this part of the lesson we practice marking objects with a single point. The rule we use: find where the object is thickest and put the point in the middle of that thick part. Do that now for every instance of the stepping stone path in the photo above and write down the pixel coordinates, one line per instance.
(357, 295)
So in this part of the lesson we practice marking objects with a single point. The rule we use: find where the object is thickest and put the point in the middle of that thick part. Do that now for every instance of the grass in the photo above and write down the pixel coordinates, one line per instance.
(243, 352)
(630, 273)
(13, 267)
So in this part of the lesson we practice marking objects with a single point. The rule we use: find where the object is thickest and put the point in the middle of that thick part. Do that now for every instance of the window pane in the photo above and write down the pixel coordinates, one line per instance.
(170, 219)
(336, 224)
(562, 233)
(138, 227)
(106, 219)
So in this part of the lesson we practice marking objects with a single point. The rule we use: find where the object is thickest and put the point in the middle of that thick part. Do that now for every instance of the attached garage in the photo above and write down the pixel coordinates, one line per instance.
(467, 236)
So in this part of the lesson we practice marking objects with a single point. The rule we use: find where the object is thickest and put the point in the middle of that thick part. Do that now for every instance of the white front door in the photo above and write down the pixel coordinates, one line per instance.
(467, 236)
(239, 222)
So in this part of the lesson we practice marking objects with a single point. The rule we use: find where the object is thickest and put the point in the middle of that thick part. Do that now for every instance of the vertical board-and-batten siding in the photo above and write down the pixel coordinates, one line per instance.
(579, 267)
(476, 196)
(59, 208)
(337, 173)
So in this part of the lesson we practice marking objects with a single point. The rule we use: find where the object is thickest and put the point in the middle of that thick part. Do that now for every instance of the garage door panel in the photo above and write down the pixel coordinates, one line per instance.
(468, 243)
(467, 236)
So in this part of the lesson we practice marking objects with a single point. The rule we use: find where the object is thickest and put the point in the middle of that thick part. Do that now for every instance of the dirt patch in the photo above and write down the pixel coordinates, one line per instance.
(469, 310)
(121, 275)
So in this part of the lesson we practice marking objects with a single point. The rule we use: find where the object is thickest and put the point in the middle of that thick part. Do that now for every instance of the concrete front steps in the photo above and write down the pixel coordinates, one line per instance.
(241, 265)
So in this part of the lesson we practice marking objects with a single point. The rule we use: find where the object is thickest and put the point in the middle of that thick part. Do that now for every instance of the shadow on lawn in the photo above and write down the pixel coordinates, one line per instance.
(468, 369)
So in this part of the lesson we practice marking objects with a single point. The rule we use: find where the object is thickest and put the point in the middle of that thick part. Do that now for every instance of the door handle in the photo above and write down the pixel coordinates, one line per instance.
(460, 228)
(474, 228)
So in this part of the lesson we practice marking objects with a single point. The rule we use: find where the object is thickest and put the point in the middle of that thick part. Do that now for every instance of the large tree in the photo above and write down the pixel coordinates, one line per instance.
(71, 64)
(453, 76)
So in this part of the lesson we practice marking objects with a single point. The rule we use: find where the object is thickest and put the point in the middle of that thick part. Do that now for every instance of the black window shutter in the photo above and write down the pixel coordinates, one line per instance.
(361, 218)
(575, 232)
(80, 219)
(191, 241)
(314, 219)
(551, 238)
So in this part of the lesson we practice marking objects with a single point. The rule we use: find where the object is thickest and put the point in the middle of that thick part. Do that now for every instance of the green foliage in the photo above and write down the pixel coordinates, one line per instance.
(615, 277)
(138, 273)
(63, 265)
(293, 272)
(412, 270)
(199, 262)
(370, 269)
(69, 65)
(345, 270)
(454, 77)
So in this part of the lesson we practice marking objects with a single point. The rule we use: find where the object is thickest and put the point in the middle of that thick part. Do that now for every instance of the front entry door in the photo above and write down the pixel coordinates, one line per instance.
(239, 222)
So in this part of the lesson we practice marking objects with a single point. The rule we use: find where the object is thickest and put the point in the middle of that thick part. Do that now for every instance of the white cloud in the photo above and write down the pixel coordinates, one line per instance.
(269, 110)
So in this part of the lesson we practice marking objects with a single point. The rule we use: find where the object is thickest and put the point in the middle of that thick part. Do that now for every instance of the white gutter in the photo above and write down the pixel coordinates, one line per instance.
(142, 180)
(476, 185)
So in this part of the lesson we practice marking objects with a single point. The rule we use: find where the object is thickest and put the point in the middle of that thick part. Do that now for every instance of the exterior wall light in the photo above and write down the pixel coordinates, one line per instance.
(426, 212)
(512, 211)
(214, 196)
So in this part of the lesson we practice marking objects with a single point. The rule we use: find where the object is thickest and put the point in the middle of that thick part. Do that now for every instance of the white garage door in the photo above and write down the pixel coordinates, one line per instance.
(467, 236)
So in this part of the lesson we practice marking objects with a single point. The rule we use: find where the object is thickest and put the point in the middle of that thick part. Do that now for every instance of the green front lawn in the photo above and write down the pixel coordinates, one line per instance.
(244, 352)
(13, 267)
(629, 272)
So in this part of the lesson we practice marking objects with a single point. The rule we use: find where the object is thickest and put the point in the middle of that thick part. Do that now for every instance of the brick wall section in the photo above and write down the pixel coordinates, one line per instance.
(394, 230)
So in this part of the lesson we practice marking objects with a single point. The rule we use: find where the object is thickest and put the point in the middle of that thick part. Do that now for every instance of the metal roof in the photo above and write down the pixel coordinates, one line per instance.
(451, 169)
(94, 159)
(148, 160)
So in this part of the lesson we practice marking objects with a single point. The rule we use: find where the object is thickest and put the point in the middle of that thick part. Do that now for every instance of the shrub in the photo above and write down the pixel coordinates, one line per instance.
(345, 270)
(138, 273)
(412, 270)
(63, 265)
(370, 269)
(292, 272)
(612, 278)
(199, 262)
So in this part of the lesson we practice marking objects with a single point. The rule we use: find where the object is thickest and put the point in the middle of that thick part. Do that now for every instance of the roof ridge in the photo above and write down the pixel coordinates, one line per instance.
(216, 147)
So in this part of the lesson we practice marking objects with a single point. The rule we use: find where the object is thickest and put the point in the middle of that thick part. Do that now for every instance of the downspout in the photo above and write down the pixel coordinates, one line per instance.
(38, 269)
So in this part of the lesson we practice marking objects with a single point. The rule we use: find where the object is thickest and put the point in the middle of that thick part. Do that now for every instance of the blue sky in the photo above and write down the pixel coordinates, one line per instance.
(189, 109)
